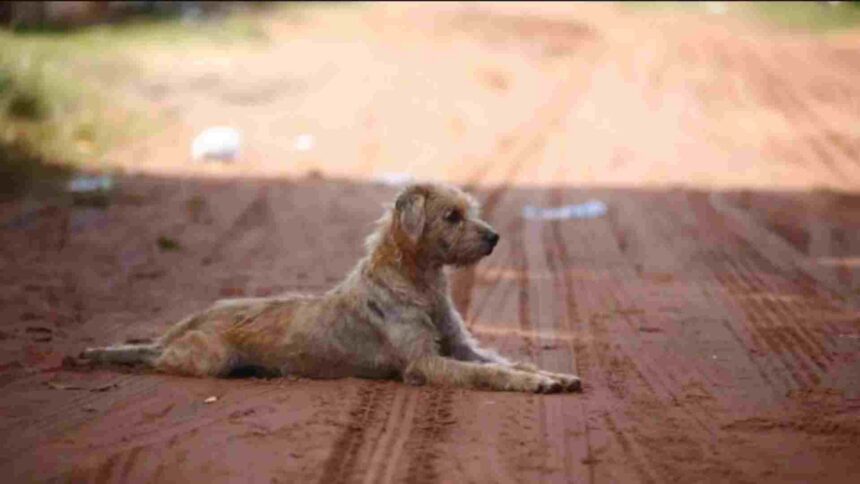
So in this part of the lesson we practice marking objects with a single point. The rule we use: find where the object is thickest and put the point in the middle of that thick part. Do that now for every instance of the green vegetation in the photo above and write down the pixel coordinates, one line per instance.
(56, 86)
(818, 17)
(167, 244)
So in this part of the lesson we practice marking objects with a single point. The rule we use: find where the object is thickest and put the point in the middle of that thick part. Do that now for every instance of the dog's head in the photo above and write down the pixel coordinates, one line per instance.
(441, 224)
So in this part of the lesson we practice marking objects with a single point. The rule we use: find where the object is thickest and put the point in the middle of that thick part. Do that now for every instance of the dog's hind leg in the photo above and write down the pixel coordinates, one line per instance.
(125, 354)
(489, 376)
(198, 354)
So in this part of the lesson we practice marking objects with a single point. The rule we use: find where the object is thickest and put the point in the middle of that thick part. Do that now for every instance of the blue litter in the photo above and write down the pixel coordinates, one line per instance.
(89, 184)
(589, 209)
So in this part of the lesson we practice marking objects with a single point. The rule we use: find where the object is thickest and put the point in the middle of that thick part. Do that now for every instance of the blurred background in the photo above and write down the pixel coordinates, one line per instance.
(394, 91)
(677, 186)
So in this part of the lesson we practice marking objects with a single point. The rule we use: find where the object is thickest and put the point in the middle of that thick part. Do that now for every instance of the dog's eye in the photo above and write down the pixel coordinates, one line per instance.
(453, 216)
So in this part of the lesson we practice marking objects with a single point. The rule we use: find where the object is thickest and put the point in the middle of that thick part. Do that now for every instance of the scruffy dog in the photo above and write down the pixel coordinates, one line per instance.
(392, 317)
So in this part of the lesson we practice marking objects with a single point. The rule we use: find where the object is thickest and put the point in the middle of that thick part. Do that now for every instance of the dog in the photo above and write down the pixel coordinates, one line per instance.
(391, 317)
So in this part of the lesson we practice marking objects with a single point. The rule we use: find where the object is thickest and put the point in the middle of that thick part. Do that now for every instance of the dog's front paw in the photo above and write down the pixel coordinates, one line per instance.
(570, 383)
(535, 383)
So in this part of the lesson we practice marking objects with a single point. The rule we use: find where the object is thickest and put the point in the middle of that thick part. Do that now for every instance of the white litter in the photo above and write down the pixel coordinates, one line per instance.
(89, 184)
(394, 179)
(211, 399)
(589, 209)
(216, 143)
(304, 142)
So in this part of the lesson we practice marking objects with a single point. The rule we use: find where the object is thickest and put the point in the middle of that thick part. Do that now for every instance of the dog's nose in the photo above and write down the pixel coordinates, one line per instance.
(492, 238)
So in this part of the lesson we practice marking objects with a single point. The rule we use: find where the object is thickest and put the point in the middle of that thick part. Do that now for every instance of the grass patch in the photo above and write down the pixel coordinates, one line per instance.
(57, 88)
(22, 170)
(816, 17)
(167, 244)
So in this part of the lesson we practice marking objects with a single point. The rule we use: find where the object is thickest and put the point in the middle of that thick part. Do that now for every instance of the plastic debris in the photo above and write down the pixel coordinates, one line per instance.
(304, 142)
(589, 209)
(216, 143)
(211, 399)
(90, 184)
(90, 190)
(394, 179)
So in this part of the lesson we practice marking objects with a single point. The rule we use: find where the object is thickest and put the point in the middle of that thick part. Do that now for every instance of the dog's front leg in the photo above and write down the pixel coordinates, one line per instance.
(472, 352)
(464, 347)
(437, 370)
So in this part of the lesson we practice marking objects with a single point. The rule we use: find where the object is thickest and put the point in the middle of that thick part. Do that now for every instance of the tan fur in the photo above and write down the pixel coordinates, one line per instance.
(391, 317)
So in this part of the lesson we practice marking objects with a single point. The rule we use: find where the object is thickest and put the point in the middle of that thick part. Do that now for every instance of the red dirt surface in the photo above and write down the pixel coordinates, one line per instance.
(713, 313)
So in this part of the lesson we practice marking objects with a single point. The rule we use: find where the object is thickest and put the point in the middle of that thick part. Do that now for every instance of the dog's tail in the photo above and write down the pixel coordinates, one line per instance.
(125, 354)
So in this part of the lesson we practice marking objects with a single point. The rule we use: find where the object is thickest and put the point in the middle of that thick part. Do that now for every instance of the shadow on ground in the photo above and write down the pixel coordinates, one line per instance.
(680, 273)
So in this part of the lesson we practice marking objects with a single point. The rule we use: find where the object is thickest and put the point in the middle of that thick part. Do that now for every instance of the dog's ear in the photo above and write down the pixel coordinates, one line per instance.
(410, 211)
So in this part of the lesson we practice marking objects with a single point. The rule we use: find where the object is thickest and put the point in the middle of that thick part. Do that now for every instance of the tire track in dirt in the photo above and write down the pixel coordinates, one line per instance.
(145, 430)
(806, 98)
(811, 280)
(772, 341)
(529, 141)
(793, 280)
(560, 267)
(66, 415)
(597, 361)
(514, 427)
(435, 405)
(390, 446)
(614, 367)
(138, 420)
(372, 400)
(678, 223)
(255, 215)
(732, 89)
(434, 419)
(546, 122)
(520, 261)
(720, 264)
(780, 94)
(781, 313)
(463, 285)
(776, 325)
(655, 383)
(418, 448)
(532, 433)
(532, 137)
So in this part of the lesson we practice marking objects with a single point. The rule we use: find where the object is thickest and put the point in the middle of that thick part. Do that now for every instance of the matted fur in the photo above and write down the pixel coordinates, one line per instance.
(391, 317)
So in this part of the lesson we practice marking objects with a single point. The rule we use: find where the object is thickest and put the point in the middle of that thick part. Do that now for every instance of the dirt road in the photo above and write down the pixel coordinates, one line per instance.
(713, 312)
